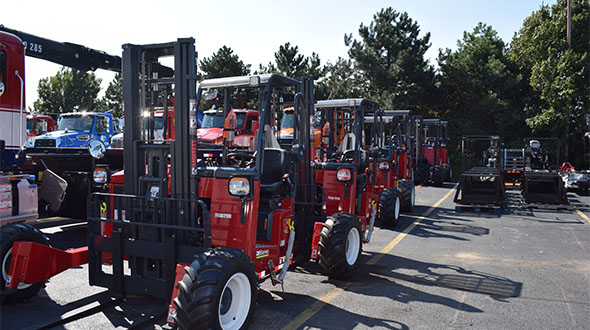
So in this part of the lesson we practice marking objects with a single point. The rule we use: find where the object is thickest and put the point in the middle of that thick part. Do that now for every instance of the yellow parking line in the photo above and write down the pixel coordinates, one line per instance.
(585, 217)
(327, 298)
(420, 185)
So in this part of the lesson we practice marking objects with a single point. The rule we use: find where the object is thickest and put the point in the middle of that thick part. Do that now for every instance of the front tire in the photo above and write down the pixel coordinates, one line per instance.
(9, 234)
(407, 195)
(218, 291)
(389, 207)
(340, 245)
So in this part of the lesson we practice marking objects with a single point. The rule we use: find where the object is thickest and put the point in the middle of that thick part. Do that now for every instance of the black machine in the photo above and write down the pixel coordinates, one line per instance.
(481, 182)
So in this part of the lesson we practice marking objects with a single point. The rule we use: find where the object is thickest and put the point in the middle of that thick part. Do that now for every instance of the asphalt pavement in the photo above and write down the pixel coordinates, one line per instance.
(438, 269)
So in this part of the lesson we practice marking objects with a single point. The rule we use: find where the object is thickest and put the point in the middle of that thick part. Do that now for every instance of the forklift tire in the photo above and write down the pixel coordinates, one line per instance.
(407, 192)
(389, 207)
(340, 245)
(448, 172)
(218, 291)
(438, 176)
(9, 234)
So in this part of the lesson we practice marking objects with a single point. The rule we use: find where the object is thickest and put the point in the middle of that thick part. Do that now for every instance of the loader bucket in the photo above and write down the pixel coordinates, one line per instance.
(481, 186)
(542, 186)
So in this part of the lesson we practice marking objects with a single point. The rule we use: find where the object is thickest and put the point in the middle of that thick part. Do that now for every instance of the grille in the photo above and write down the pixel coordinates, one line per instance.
(44, 143)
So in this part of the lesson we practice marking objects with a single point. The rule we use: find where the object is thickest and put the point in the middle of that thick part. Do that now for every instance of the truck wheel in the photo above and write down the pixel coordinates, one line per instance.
(407, 195)
(9, 234)
(340, 245)
(218, 291)
(389, 207)
(438, 176)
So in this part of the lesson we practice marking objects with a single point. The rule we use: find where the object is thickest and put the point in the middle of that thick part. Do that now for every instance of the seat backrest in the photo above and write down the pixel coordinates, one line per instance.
(275, 165)
(348, 142)
(270, 139)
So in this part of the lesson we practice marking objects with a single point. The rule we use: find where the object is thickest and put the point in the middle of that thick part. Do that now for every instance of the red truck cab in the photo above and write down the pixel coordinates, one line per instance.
(38, 124)
(211, 130)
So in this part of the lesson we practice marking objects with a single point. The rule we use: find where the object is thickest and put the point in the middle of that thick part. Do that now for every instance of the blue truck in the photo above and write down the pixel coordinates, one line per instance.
(75, 129)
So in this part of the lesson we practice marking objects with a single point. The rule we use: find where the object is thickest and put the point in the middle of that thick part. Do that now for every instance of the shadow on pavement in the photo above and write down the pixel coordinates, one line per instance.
(277, 309)
(397, 270)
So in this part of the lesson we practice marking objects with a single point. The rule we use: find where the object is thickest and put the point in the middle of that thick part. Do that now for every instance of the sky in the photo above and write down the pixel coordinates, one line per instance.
(253, 29)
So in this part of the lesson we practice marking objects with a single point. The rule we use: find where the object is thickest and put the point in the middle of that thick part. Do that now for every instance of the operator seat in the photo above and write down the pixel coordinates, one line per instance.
(275, 166)
(347, 148)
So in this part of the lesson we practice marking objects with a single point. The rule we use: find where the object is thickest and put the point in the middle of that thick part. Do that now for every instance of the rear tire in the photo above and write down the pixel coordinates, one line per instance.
(340, 245)
(218, 291)
(9, 234)
(407, 195)
(389, 207)
(438, 176)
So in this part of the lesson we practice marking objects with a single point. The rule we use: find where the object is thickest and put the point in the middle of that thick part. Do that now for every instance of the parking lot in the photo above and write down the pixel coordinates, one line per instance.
(438, 269)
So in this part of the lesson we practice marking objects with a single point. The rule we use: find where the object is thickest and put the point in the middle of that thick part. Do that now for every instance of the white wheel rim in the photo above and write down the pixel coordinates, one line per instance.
(6, 268)
(413, 197)
(353, 245)
(397, 206)
(239, 298)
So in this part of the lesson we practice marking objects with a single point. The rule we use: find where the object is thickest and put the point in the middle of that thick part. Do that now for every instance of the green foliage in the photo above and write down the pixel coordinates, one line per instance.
(390, 57)
(224, 63)
(479, 89)
(289, 62)
(113, 97)
(342, 80)
(558, 77)
(69, 89)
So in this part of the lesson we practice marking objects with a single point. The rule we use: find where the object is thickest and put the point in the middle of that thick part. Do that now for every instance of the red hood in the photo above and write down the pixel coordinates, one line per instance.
(209, 134)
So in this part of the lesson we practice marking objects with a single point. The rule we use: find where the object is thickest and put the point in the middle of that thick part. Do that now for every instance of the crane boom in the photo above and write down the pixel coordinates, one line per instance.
(66, 53)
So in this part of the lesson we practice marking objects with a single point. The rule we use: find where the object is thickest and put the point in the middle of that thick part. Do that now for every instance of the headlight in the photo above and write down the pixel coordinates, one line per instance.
(383, 165)
(343, 174)
(239, 187)
(100, 175)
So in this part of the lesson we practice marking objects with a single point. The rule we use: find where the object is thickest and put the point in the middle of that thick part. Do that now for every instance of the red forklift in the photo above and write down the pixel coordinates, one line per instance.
(432, 165)
(198, 225)
(400, 148)
(346, 172)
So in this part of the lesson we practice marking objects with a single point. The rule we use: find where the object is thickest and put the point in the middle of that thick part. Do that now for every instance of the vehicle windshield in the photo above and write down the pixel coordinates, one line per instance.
(82, 123)
(211, 120)
(30, 125)
(287, 121)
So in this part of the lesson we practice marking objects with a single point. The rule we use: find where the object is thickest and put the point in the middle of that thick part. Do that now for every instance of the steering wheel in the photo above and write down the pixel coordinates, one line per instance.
(241, 159)
(348, 156)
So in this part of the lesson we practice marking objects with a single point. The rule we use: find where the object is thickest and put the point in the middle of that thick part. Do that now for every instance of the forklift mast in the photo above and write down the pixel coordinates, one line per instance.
(158, 221)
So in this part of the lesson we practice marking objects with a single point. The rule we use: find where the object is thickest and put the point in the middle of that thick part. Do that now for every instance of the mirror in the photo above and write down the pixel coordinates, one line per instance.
(96, 149)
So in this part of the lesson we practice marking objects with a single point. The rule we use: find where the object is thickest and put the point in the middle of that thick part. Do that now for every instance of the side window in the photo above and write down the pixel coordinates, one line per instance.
(100, 127)
(2, 72)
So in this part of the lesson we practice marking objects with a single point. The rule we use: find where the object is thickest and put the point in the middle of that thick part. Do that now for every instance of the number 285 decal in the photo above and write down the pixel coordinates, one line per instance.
(33, 47)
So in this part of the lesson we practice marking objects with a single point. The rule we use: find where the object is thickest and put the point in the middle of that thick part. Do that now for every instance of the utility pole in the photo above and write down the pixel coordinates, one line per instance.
(569, 42)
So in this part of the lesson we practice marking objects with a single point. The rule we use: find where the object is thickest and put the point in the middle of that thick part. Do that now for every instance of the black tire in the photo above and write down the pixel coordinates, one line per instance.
(407, 192)
(448, 172)
(9, 234)
(340, 245)
(438, 176)
(202, 298)
(389, 207)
